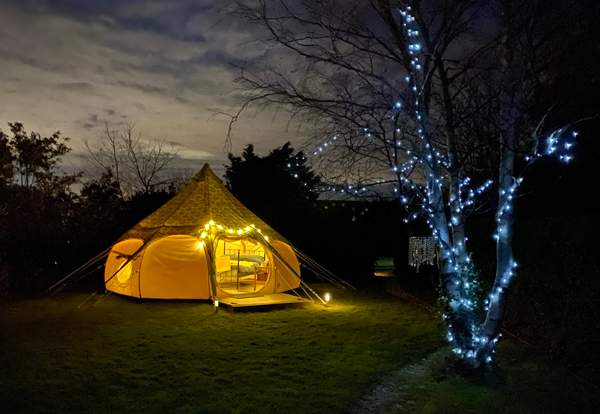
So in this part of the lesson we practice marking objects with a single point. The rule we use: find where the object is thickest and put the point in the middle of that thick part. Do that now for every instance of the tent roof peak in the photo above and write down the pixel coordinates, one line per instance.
(203, 173)
(205, 198)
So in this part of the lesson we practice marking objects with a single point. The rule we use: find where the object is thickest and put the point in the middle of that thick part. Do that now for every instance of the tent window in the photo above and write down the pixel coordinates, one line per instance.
(125, 273)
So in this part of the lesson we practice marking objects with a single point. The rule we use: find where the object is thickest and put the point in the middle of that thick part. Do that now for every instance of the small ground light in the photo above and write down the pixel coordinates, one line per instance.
(327, 297)
(216, 304)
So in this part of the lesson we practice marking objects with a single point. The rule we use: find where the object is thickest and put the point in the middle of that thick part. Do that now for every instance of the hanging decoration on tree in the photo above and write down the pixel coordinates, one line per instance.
(421, 251)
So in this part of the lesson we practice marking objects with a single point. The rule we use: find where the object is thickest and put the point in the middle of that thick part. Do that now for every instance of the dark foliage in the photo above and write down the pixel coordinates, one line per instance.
(36, 237)
(279, 187)
(345, 236)
(142, 204)
(47, 231)
(36, 208)
(353, 234)
(554, 303)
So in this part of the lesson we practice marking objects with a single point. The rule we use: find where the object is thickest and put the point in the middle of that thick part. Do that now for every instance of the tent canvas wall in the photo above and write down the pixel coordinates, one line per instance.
(174, 253)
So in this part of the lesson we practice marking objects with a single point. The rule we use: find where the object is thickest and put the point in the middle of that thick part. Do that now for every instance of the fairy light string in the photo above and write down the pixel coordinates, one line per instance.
(422, 197)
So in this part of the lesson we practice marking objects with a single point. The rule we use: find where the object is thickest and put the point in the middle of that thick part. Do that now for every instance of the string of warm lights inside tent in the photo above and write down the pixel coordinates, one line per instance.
(225, 230)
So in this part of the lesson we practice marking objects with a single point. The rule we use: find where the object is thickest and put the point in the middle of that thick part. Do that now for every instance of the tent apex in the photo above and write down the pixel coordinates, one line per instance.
(203, 172)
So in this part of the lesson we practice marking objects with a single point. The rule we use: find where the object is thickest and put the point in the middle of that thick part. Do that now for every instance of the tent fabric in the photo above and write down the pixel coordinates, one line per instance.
(286, 280)
(118, 273)
(167, 255)
(204, 199)
(174, 268)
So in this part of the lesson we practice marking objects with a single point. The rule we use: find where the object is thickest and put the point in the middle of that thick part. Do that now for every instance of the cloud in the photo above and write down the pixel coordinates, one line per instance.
(75, 65)
(191, 154)
(33, 62)
(214, 57)
(144, 88)
(75, 86)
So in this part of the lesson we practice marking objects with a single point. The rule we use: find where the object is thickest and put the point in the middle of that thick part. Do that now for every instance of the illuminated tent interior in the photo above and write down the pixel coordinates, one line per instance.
(205, 244)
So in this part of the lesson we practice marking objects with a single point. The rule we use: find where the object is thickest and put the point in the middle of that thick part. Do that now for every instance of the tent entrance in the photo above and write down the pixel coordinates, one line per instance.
(242, 265)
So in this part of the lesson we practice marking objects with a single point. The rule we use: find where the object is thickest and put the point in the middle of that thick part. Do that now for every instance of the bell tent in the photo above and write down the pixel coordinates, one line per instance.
(204, 244)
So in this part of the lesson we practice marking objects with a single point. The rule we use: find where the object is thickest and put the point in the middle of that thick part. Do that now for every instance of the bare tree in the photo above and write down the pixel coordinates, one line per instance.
(434, 98)
(534, 46)
(376, 83)
(137, 165)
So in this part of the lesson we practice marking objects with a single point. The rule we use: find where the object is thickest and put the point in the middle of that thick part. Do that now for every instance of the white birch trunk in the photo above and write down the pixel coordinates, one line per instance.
(507, 184)
(504, 255)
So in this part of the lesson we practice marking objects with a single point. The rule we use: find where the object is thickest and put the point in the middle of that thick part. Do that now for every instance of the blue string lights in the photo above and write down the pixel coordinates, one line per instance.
(420, 172)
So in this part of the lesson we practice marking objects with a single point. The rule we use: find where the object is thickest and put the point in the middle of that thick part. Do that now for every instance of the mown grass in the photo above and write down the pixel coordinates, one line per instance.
(179, 357)
(523, 382)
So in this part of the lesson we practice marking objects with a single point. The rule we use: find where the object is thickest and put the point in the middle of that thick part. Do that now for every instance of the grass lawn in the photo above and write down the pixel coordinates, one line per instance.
(522, 383)
(125, 356)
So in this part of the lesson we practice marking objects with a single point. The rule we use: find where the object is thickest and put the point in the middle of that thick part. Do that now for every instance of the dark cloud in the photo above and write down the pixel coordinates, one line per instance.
(179, 68)
(215, 57)
(34, 62)
(145, 24)
(90, 122)
(160, 25)
(82, 8)
(129, 49)
(194, 38)
(182, 100)
(75, 86)
(141, 106)
(143, 88)
(156, 16)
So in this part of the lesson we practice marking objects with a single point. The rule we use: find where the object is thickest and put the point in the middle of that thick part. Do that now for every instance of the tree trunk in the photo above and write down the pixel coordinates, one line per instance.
(510, 100)
(505, 265)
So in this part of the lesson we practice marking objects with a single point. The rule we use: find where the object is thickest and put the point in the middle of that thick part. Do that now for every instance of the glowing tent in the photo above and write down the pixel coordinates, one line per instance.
(205, 244)
(201, 244)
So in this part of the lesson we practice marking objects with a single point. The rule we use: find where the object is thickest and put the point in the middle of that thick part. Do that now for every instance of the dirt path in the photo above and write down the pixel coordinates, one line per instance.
(394, 392)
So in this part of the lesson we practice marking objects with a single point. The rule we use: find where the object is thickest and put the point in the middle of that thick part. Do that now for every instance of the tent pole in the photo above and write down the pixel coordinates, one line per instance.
(102, 298)
(89, 297)
(212, 277)
(276, 253)
(81, 268)
(318, 270)
(238, 272)
(76, 280)
(318, 266)
(129, 259)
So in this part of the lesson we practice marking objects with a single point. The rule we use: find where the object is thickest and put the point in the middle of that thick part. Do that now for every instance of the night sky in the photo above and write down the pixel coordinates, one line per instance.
(73, 65)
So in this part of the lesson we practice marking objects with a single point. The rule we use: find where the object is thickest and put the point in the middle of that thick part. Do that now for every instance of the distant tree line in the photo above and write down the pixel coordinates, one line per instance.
(47, 229)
